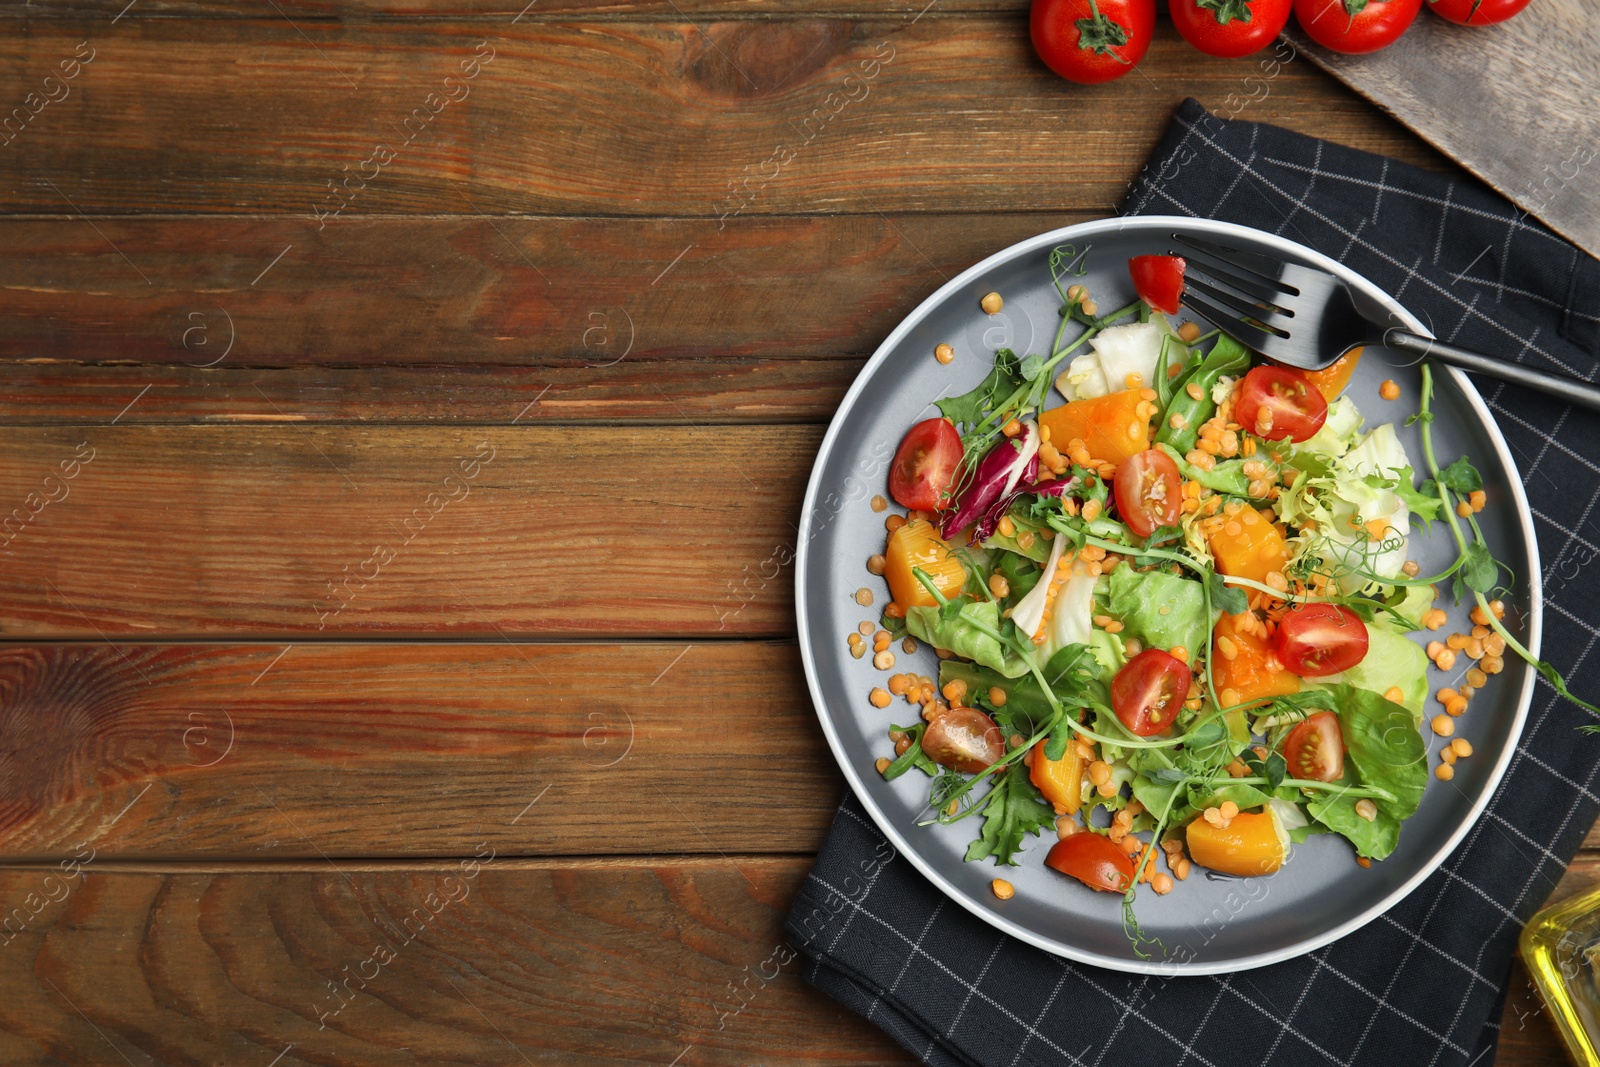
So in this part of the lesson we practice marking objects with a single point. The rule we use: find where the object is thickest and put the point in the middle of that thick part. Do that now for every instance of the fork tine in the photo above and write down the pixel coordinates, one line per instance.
(1242, 331)
(1273, 318)
(1266, 269)
(1200, 271)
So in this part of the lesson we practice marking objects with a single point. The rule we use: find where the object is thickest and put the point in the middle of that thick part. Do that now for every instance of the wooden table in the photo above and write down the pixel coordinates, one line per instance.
(405, 670)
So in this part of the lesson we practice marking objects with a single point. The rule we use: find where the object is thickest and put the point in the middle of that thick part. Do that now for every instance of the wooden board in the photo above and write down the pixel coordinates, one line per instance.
(576, 962)
(582, 963)
(555, 266)
(274, 530)
(1513, 103)
(473, 292)
(572, 119)
(306, 751)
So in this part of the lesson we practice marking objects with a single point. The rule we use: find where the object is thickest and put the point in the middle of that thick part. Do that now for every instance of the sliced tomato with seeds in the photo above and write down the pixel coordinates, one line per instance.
(963, 739)
(1318, 639)
(1149, 492)
(924, 466)
(1314, 749)
(1095, 861)
(1280, 404)
(1158, 281)
(1148, 691)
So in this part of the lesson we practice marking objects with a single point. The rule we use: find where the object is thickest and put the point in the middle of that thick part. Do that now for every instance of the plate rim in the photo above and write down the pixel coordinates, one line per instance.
(852, 774)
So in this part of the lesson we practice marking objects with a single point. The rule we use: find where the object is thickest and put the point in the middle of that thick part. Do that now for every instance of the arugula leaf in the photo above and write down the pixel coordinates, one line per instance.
(1004, 379)
(1073, 673)
(912, 757)
(1013, 809)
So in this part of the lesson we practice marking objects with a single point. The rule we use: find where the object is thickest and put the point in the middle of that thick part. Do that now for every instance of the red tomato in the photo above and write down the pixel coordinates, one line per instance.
(1314, 750)
(1477, 12)
(1148, 691)
(964, 739)
(1092, 41)
(1230, 28)
(1317, 639)
(1149, 491)
(1280, 404)
(1356, 26)
(925, 466)
(1158, 279)
(1095, 861)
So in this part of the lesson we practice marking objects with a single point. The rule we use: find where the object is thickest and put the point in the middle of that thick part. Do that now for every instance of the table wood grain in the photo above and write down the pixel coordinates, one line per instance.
(368, 692)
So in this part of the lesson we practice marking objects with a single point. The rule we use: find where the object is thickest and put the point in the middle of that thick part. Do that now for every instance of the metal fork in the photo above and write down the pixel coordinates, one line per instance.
(1307, 318)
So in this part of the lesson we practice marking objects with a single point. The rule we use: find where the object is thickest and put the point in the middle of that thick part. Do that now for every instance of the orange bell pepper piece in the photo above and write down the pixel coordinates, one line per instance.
(1060, 780)
(918, 544)
(1250, 844)
(1252, 550)
(1249, 671)
(1109, 426)
(1332, 379)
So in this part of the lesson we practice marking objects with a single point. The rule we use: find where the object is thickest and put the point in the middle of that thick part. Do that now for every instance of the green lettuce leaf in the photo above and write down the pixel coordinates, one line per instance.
(1392, 659)
(1159, 608)
(959, 635)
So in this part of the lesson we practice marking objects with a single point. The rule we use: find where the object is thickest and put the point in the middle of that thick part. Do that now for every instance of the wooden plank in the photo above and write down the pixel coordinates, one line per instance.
(577, 963)
(582, 293)
(698, 392)
(268, 531)
(541, 11)
(182, 752)
(1536, 74)
(748, 116)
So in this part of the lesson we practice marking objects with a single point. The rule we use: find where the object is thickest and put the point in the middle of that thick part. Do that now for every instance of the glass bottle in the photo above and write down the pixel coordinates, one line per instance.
(1561, 948)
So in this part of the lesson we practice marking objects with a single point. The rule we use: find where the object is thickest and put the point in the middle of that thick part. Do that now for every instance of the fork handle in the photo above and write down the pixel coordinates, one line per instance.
(1568, 389)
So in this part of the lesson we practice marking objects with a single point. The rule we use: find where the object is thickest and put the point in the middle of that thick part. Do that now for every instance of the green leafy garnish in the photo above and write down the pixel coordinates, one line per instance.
(1012, 809)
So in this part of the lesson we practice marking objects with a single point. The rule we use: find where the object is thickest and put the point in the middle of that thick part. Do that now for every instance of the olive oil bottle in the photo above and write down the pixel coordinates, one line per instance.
(1561, 947)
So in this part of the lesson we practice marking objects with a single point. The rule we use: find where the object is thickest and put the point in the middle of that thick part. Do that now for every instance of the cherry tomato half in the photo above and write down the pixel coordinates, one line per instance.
(1148, 691)
(1280, 404)
(1356, 26)
(964, 739)
(1149, 491)
(925, 465)
(1158, 280)
(1318, 639)
(1314, 750)
(1087, 48)
(1095, 861)
(1230, 28)
(1477, 12)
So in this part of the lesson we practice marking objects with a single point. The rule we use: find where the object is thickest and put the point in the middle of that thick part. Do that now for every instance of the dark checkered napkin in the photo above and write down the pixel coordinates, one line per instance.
(1422, 985)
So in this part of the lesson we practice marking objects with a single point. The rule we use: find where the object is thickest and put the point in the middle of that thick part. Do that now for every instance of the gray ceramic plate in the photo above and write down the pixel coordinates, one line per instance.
(1209, 924)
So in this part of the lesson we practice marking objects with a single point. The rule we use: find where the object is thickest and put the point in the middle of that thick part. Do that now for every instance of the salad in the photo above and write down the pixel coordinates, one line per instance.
(1169, 587)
